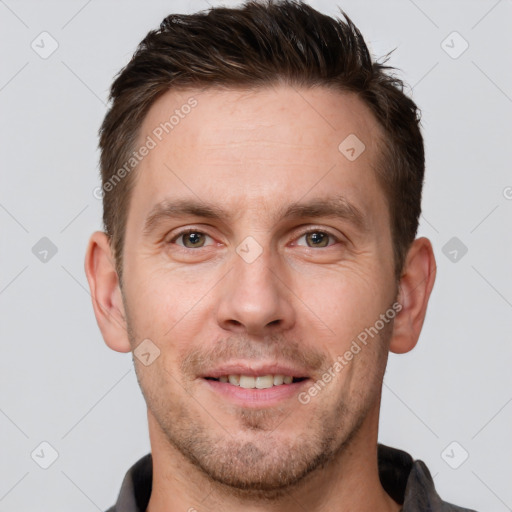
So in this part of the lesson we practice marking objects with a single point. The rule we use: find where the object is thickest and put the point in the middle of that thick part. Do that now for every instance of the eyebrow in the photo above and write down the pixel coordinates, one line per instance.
(333, 207)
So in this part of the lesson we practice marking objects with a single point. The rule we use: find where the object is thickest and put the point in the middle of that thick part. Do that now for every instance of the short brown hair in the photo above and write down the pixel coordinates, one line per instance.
(259, 44)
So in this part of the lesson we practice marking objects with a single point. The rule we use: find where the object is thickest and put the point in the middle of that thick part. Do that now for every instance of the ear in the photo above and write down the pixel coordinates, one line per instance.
(415, 286)
(106, 292)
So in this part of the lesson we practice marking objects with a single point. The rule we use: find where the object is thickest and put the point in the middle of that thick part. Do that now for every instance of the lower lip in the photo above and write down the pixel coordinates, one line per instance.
(256, 397)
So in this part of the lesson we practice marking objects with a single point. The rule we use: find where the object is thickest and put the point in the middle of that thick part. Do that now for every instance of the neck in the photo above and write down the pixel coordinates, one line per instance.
(349, 482)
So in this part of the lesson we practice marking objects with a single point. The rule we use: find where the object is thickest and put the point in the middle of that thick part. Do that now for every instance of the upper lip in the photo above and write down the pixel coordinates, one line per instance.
(256, 369)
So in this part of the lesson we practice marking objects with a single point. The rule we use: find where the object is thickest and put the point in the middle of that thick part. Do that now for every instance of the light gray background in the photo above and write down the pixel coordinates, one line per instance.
(60, 383)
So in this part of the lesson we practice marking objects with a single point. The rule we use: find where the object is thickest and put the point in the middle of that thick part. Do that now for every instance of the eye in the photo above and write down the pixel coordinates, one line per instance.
(317, 238)
(191, 239)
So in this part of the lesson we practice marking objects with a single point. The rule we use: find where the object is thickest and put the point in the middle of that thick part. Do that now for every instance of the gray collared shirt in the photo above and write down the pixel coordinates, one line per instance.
(406, 480)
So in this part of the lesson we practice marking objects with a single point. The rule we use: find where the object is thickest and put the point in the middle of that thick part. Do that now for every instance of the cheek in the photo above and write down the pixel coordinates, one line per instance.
(348, 301)
(161, 300)
(155, 378)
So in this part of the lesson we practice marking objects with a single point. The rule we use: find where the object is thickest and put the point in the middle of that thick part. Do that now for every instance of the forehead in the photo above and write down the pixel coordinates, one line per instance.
(257, 147)
(312, 118)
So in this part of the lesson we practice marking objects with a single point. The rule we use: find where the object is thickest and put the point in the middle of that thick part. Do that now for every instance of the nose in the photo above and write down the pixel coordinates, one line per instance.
(254, 298)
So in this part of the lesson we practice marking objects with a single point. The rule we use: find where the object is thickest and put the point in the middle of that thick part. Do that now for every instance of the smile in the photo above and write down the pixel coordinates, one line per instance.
(257, 382)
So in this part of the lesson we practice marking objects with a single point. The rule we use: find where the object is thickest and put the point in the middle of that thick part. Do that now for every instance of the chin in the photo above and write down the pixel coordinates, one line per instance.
(267, 468)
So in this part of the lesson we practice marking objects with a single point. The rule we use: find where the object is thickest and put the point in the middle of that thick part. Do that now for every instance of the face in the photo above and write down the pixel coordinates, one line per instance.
(256, 252)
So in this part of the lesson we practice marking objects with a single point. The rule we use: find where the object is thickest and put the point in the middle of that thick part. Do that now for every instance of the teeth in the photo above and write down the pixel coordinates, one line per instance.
(260, 382)
(234, 379)
(278, 380)
(248, 382)
(264, 382)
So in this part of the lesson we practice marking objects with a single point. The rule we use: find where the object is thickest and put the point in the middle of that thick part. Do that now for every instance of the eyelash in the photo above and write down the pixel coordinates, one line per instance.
(192, 230)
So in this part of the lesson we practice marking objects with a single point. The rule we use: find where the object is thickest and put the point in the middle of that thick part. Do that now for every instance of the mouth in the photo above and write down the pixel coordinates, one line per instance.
(249, 385)
(258, 381)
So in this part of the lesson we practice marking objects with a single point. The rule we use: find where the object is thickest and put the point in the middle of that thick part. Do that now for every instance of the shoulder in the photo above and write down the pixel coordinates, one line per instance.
(409, 482)
(421, 491)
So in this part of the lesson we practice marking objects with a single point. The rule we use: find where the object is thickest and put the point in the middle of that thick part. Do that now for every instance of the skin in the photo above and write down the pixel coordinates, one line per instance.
(301, 301)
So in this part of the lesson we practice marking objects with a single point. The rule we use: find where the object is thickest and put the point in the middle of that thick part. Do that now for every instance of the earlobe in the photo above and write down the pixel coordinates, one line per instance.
(106, 293)
(415, 287)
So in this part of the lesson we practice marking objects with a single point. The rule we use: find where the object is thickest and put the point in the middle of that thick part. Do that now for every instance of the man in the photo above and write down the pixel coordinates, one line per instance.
(261, 181)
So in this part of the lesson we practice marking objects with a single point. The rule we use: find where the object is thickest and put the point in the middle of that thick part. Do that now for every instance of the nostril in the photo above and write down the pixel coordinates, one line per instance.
(236, 323)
